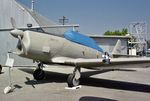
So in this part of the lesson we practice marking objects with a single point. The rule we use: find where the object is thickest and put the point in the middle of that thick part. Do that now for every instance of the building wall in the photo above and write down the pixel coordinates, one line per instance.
(108, 43)
(8, 9)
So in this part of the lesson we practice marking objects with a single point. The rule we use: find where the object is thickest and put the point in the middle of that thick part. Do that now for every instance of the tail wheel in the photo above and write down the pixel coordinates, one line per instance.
(39, 74)
(72, 81)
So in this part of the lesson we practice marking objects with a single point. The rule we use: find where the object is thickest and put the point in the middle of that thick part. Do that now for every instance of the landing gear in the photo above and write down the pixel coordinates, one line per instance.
(73, 79)
(106, 58)
(39, 74)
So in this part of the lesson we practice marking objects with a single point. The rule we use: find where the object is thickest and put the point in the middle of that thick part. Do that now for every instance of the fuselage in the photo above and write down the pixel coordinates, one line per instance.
(43, 47)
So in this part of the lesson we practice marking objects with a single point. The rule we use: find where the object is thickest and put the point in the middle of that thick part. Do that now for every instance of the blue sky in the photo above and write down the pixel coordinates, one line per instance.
(95, 16)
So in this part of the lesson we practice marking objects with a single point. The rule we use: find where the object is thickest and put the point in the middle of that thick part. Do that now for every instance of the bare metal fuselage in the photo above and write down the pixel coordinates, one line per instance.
(44, 47)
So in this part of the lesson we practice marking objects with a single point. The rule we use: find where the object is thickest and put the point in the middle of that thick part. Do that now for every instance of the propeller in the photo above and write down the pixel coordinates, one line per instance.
(15, 32)
(18, 34)
(23, 46)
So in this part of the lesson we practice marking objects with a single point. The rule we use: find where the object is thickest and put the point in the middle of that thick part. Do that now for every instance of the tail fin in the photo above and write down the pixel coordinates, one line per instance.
(117, 48)
(117, 51)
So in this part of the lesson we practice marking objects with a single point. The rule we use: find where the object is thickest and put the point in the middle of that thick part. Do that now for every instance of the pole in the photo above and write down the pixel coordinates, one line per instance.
(10, 83)
(63, 20)
(32, 5)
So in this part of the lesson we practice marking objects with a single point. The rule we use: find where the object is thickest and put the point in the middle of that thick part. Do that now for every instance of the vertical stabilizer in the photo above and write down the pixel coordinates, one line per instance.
(117, 48)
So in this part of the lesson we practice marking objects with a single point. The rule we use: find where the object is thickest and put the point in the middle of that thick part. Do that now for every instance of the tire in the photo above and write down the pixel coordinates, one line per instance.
(39, 74)
(72, 82)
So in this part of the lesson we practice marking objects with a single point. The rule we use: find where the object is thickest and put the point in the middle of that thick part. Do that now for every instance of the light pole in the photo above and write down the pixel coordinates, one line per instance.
(63, 20)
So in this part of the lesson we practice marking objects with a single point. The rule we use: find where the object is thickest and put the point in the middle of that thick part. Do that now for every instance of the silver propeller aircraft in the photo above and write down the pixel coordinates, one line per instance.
(74, 49)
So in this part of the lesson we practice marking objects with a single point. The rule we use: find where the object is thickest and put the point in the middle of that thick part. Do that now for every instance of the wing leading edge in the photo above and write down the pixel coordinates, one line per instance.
(115, 63)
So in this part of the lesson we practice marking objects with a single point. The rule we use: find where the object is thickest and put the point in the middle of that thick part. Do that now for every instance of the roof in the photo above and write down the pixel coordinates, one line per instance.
(100, 36)
(43, 21)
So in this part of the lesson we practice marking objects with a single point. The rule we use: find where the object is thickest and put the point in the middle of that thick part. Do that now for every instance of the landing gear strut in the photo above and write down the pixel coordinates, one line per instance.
(73, 79)
(106, 58)
(39, 74)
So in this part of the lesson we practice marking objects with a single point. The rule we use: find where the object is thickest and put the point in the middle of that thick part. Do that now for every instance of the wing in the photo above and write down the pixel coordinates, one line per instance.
(115, 63)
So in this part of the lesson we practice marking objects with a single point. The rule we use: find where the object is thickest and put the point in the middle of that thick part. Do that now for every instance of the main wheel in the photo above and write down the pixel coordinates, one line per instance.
(39, 74)
(72, 81)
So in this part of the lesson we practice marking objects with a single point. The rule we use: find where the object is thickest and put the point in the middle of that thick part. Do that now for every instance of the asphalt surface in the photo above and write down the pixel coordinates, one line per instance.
(118, 85)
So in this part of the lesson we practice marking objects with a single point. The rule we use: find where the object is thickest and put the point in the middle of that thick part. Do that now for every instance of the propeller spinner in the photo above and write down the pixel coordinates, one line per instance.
(16, 33)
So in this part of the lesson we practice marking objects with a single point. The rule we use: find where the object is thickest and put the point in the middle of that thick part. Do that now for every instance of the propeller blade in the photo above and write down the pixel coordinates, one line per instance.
(13, 22)
(22, 44)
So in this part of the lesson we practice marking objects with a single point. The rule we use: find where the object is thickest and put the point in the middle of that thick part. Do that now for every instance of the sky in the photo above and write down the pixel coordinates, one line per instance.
(95, 16)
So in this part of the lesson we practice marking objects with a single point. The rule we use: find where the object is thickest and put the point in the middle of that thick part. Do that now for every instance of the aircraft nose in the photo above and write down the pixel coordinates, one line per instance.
(16, 33)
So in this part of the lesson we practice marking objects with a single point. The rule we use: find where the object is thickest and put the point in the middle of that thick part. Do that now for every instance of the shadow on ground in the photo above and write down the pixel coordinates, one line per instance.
(89, 81)
(89, 98)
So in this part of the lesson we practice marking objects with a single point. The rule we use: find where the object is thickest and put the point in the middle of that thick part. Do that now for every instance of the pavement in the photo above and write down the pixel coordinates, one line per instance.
(118, 85)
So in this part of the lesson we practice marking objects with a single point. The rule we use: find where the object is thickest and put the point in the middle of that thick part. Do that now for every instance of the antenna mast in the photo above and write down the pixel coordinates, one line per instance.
(32, 5)
(63, 20)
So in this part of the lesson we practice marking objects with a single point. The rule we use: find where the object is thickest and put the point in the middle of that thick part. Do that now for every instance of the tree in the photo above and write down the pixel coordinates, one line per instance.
(124, 31)
(117, 32)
